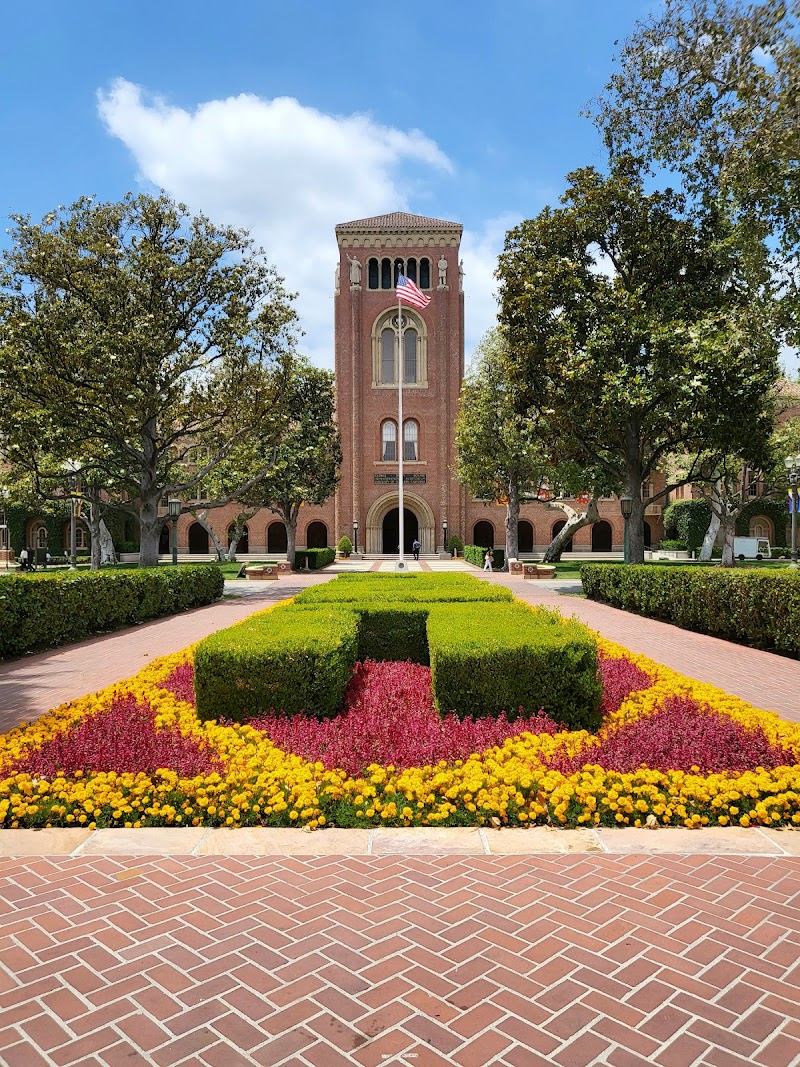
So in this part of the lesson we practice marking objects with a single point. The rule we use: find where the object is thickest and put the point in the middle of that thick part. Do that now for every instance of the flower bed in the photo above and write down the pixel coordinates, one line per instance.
(713, 759)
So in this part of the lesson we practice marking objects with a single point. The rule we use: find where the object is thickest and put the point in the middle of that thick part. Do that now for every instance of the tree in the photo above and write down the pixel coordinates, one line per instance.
(303, 444)
(500, 456)
(711, 89)
(633, 329)
(139, 332)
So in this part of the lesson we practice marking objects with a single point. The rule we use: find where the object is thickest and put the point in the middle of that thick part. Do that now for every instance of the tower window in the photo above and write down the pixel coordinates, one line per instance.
(372, 274)
(410, 355)
(388, 441)
(410, 437)
(386, 274)
(424, 274)
(387, 357)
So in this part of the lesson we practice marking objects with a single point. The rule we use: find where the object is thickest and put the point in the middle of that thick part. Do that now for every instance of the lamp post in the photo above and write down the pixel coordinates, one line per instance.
(793, 471)
(4, 527)
(174, 512)
(72, 466)
(355, 536)
(626, 507)
(444, 534)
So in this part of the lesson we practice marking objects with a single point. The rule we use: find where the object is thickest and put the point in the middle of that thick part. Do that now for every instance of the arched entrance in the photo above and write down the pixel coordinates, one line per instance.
(276, 538)
(525, 536)
(483, 534)
(317, 535)
(601, 536)
(198, 539)
(422, 522)
(391, 531)
(648, 534)
(165, 539)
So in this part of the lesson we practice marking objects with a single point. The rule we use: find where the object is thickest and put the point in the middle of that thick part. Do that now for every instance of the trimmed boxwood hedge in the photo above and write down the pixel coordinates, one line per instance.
(317, 558)
(286, 661)
(514, 659)
(38, 612)
(487, 656)
(758, 607)
(403, 588)
(477, 555)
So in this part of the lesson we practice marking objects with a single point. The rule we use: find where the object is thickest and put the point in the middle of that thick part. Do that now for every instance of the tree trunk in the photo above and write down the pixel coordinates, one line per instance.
(107, 553)
(93, 523)
(219, 548)
(710, 539)
(728, 534)
(576, 520)
(636, 527)
(512, 523)
(149, 532)
(290, 521)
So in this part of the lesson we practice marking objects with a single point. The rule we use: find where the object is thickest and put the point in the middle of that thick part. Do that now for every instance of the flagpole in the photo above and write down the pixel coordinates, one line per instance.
(400, 434)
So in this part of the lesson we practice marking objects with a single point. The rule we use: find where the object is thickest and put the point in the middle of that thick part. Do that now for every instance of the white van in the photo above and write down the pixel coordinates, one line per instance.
(751, 548)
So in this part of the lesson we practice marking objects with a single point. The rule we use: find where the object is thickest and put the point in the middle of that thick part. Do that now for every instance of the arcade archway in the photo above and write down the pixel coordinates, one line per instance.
(421, 516)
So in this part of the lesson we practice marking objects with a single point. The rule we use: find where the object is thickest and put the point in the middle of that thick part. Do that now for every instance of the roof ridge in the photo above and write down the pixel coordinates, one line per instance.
(399, 220)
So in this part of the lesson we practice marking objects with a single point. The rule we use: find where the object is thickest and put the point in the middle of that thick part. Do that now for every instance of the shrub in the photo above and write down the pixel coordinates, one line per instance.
(403, 588)
(38, 612)
(127, 546)
(674, 546)
(455, 546)
(477, 555)
(398, 632)
(283, 661)
(317, 558)
(687, 521)
(514, 660)
(759, 607)
(345, 546)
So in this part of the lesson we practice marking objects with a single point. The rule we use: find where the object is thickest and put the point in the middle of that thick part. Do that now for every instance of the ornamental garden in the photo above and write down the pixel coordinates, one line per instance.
(419, 700)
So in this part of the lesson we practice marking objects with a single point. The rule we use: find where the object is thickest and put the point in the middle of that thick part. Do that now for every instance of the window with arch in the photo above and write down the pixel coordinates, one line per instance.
(385, 349)
(483, 534)
(410, 440)
(388, 440)
(40, 536)
(383, 273)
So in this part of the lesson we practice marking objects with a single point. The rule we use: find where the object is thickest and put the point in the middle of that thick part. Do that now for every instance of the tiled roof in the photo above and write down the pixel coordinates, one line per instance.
(398, 220)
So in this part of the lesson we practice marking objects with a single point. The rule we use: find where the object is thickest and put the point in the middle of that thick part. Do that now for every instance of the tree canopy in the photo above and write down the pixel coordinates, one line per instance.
(132, 333)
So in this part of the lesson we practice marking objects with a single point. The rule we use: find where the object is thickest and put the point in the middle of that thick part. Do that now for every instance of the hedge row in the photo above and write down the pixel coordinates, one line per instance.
(405, 588)
(317, 558)
(486, 656)
(758, 607)
(286, 659)
(39, 612)
(477, 555)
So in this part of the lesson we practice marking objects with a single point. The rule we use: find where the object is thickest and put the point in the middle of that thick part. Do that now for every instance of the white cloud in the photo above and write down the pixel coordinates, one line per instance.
(480, 249)
(286, 172)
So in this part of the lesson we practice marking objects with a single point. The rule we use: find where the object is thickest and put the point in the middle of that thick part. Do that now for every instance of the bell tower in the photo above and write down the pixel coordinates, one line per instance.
(372, 253)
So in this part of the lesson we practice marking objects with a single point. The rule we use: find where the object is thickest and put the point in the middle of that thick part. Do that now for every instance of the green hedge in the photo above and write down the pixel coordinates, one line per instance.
(403, 588)
(687, 521)
(317, 558)
(758, 607)
(39, 612)
(477, 555)
(286, 661)
(511, 658)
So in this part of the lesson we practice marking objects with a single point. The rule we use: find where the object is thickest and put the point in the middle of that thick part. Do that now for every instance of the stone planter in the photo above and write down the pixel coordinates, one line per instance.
(515, 566)
(266, 573)
(129, 557)
(538, 570)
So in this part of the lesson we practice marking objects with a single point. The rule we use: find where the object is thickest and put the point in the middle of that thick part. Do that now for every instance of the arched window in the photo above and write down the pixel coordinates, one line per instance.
(389, 441)
(39, 536)
(399, 268)
(385, 344)
(386, 274)
(525, 536)
(424, 274)
(601, 536)
(410, 344)
(411, 269)
(387, 356)
(410, 440)
(648, 534)
(317, 535)
(198, 539)
(276, 538)
(483, 534)
(372, 274)
(165, 539)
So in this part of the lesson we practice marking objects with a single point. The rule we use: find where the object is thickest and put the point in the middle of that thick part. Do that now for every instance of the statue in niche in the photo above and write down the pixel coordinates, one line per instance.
(336, 279)
(461, 276)
(442, 265)
(355, 272)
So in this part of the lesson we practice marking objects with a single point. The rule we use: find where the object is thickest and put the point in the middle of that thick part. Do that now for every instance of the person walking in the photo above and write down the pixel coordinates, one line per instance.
(415, 547)
(487, 560)
(23, 559)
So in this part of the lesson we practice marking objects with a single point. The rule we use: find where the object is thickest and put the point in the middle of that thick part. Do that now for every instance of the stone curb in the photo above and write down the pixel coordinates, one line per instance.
(387, 841)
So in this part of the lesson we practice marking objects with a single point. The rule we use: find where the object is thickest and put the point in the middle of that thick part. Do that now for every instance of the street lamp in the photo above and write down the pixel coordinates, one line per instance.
(355, 535)
(444, 534)
(626, 507)
(72, 466)
(793, 471)
(4, 527)
(174, 512)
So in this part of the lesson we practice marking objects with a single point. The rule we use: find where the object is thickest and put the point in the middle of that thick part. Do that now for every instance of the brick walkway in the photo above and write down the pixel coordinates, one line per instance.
(412, 962)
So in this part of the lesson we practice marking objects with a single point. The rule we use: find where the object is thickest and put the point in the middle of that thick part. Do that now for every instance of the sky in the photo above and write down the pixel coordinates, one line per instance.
(290, 118)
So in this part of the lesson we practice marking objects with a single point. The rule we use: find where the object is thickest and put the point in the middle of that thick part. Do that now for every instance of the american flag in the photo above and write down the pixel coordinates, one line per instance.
(406, 290)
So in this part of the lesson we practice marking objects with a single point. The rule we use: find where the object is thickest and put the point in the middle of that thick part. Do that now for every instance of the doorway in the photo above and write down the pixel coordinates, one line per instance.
(391, 531)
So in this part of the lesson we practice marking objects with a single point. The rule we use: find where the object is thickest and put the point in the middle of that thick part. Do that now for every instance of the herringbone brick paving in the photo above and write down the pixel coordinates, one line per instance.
(411, 962)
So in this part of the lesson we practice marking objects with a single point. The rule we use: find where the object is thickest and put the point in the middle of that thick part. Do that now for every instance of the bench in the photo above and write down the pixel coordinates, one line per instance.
(538, 570)
(265, 572)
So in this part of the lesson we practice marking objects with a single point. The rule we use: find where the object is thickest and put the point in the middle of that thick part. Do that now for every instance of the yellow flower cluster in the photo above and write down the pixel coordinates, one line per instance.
(263, 785)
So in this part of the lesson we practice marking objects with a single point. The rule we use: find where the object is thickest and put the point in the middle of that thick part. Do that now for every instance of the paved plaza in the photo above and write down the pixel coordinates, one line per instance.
(406, 948)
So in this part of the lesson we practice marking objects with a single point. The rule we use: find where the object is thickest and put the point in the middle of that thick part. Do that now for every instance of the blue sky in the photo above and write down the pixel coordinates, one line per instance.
(288, 118)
